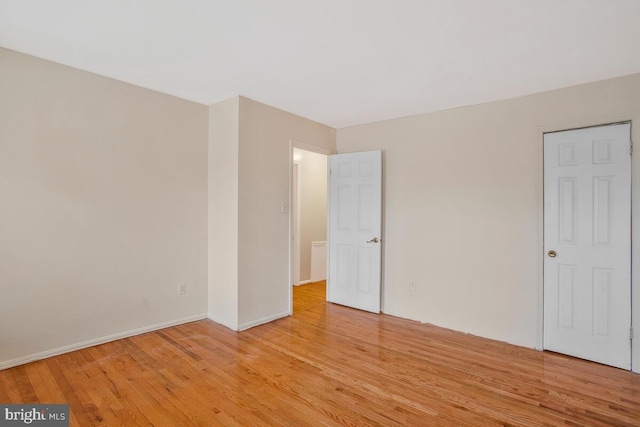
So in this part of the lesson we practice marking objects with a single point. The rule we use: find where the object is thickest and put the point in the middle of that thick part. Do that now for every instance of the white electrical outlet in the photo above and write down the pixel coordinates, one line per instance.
(182, 288)
(412, 286)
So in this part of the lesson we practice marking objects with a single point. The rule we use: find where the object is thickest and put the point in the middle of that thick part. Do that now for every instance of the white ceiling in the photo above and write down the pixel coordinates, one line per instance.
(339, 62)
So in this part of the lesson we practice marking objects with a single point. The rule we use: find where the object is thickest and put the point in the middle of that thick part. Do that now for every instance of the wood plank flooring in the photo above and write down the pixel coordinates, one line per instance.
(308, 296)
(326, 365)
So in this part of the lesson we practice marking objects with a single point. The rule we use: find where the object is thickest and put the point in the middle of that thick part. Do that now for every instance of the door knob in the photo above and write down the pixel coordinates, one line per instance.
(552, 254)
(374, 240)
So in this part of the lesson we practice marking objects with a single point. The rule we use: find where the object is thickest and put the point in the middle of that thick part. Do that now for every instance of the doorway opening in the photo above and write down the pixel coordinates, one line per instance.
(308, 228)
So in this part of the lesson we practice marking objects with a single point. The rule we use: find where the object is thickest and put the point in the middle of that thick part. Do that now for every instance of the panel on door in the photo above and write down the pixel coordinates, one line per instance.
(355, 222)
(587, 240)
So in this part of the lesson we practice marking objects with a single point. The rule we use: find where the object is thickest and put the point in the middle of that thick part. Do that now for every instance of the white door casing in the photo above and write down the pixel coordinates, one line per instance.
(587, 243)
(354, 233)
(295, 220)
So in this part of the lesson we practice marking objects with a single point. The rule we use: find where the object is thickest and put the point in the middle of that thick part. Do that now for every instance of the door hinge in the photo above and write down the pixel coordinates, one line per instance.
(630, 148)
(631, 333)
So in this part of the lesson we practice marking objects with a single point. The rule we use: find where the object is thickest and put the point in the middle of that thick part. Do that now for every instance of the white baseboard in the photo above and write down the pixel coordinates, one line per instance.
(90, 343)
(262, 321)
(303, 282)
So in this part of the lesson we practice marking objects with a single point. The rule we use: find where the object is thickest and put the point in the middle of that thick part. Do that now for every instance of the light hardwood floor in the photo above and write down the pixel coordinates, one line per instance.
(306, 297)
(326, 365)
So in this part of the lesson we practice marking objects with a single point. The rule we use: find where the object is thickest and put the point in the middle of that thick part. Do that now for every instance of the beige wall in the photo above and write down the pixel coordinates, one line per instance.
(263, 235)
(313, 205)
(103, 208)
(463, 206)
(108, 199)
(223, 213)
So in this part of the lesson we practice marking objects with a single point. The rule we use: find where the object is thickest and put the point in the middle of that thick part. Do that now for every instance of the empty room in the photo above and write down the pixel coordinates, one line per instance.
(247, 213)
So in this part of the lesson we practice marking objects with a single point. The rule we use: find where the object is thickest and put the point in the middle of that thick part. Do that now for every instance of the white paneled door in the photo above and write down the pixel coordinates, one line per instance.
(355, 223)
(587, 243)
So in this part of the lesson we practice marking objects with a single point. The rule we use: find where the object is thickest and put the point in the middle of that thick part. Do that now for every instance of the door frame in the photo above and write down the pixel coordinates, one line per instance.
(295, 143)
(295, 221)
(632, 117)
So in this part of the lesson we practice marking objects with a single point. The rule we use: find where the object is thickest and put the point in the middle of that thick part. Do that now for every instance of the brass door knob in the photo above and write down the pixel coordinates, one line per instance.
(552, 254)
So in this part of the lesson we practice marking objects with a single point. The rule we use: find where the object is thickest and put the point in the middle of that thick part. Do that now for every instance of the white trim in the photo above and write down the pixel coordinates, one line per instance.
(327, 281)
(308, 147)
(291, 225)
(303, 282)
(295, 208)
(540, 253)
(258, 322)
(97, 341)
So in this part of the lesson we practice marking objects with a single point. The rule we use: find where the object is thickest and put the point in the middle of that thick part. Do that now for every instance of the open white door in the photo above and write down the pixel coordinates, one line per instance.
(587, 243)
(355, 224)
